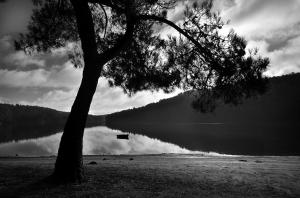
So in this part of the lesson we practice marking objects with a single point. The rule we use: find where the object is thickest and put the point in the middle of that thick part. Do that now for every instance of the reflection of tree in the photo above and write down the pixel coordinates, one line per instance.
(120, 41)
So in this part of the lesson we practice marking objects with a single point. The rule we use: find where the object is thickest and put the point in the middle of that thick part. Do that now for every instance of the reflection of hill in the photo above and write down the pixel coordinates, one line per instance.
(267, 125)
(23, 122)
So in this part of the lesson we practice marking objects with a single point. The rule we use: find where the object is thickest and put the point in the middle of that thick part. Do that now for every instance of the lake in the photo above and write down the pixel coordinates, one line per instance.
(97, 141)
(236, 138)
(154, 138)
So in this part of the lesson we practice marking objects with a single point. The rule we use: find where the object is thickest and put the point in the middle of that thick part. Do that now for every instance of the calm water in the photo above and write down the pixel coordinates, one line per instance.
(225, 138)
(97, 141)
(243, 138)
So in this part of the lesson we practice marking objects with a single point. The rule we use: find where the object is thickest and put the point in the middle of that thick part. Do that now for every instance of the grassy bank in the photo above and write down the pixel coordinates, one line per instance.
(157, 176)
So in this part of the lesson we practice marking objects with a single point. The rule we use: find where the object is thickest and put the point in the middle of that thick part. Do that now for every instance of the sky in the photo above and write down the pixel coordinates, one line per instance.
(50, 80)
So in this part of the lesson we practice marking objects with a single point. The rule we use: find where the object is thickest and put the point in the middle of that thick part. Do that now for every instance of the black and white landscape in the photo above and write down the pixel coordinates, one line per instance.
(149, 98)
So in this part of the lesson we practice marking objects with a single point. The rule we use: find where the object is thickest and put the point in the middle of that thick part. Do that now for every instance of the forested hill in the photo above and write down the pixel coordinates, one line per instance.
(268, 124)
(281, 103)
(22, 122)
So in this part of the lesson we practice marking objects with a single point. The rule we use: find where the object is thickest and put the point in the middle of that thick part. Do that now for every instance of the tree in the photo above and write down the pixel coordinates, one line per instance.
(121, 40)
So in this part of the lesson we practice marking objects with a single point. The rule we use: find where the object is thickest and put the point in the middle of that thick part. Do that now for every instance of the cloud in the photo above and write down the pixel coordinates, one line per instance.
(18, 60)
(106, 99)
(113, 100)
(56, 99)
(282, 61)
(256, 19)
(273, 26)
(23, 79)
(21, 59)
(65, 76)
(54, 82)
(5, 100)
(14, 16)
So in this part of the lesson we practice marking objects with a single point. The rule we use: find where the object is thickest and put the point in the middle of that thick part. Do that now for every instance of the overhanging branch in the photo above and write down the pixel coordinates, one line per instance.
(106, 19)
(204, 52)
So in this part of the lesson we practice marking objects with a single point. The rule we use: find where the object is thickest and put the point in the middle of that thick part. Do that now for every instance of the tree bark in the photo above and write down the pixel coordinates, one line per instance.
(69, 162)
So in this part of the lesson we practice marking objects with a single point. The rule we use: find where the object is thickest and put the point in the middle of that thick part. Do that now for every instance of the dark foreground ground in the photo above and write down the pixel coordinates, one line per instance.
(157, 176)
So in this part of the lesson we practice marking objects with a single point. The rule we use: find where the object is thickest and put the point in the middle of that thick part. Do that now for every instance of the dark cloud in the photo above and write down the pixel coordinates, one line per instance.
(11, 59)
(14, 16)
(272, 26)
(281, 37)
(249, 9)
(277, 43)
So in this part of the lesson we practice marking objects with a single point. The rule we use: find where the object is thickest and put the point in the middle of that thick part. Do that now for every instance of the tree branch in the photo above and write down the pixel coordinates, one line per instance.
(125, 41)
(106, 19)
(205, 53)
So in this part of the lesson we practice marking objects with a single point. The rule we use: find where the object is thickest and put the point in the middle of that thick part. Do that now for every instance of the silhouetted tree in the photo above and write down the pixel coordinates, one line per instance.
(121, 40)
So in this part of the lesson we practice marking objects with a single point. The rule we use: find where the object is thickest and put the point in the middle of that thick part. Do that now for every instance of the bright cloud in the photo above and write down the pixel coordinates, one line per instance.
(268, 19)
(21, 59)
(272, 26)
(106, 99)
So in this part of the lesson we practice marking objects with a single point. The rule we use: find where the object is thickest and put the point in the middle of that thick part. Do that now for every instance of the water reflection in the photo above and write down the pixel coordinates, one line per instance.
(97, 140)
(241, 138)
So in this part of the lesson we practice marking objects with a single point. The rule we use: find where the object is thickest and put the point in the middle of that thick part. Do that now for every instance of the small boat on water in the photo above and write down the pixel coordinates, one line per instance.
(123, 136)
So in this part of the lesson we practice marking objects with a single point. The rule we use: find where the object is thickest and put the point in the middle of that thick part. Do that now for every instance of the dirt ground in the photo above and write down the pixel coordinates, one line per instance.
(157, 176)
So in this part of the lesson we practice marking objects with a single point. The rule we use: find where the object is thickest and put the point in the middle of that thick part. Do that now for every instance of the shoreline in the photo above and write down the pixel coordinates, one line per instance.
(179, 155)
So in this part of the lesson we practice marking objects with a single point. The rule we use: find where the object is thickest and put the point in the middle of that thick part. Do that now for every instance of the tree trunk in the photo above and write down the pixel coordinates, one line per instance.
(69, 163)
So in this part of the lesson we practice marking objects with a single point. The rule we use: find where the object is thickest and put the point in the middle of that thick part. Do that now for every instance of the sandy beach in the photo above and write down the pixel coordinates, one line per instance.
(166, 175)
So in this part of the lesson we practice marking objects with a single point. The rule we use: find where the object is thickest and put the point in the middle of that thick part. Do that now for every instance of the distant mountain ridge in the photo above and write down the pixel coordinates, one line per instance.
(270, 122)
(22, 122)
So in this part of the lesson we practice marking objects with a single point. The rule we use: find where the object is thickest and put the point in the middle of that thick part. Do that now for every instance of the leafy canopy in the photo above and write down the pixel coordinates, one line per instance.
(139, 57)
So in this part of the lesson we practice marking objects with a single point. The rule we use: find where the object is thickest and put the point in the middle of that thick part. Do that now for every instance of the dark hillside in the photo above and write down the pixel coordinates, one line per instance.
(22, 122)
(265, 125)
